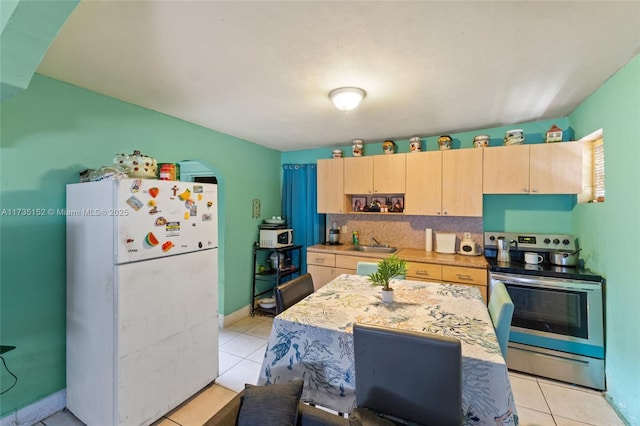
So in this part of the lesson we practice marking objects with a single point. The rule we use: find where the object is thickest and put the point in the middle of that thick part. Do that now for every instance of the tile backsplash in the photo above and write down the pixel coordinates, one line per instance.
(404, 231)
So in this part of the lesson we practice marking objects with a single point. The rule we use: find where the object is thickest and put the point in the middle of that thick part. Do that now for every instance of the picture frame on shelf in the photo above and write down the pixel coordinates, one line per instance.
(358, 203)
(397, 204)
(381, 201)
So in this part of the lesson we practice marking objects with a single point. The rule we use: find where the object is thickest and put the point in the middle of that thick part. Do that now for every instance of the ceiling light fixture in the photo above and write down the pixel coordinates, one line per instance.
(347, 98)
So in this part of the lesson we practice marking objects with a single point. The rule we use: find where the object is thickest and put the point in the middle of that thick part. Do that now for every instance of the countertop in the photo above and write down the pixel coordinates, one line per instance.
(408, 254)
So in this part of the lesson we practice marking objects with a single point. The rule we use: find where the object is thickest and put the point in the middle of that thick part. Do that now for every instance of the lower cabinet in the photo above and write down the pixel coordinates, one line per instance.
(449, 274)
(424, 271)
(470, 276)
(324, 267)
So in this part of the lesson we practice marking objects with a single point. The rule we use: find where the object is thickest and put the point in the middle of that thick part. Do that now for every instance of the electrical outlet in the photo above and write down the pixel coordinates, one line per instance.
(344, 229)
(255, 210)
(467, 235)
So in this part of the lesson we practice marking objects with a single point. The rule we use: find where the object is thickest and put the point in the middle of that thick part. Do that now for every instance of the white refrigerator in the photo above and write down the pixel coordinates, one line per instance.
(142, 308)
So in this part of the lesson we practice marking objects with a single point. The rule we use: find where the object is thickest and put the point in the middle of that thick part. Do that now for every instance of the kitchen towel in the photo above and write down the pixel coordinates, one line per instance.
(429, 239)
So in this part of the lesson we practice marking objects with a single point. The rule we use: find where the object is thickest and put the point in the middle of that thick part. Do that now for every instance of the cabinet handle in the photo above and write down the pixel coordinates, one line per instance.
(438, 212)
(525, 189)
(425, 273)
(318, 260)
(464, 277)
(446, 212)
(534, 190)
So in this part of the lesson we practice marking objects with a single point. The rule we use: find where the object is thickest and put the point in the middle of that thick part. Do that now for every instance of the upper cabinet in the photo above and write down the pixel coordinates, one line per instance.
(444, 183)
(377, 174)
(554, 168)
(331, 186)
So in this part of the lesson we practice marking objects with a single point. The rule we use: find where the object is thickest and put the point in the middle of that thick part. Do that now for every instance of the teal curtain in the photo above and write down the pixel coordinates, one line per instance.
(299, 206)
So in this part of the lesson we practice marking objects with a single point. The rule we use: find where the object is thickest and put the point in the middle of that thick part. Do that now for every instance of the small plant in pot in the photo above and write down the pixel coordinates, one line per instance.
(388, 269)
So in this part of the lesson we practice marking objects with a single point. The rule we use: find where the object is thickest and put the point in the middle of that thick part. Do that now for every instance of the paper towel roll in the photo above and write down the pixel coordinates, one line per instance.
(429, 239)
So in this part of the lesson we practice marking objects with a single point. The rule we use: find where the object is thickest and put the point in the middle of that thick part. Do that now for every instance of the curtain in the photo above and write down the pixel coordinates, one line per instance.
(299, 206)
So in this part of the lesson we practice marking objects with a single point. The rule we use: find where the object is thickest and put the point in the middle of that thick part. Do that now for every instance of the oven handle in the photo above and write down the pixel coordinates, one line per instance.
(552, 283)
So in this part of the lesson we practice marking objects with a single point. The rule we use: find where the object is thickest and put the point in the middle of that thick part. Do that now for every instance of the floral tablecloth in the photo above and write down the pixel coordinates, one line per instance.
(313, 340)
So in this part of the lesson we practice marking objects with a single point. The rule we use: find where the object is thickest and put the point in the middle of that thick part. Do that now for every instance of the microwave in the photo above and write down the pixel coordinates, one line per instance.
(276, 238)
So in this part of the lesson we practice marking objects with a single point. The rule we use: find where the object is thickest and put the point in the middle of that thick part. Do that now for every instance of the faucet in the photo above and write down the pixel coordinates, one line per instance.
(377, 243)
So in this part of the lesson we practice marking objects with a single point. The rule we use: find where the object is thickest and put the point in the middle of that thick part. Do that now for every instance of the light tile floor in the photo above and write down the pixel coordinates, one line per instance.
(540, 402)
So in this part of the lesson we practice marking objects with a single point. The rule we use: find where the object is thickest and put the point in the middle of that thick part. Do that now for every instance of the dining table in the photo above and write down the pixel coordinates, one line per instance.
(313, 341)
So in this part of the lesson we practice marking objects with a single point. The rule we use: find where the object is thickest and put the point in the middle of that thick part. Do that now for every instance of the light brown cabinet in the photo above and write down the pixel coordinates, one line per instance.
(322, 267)
(554, 168)
(424, 271)
(377, 174)
(330, 187)
(463, 275)
(444, 183)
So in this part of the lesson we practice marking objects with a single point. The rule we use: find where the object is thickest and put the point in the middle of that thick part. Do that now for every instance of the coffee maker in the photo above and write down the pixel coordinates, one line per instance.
(504, 246)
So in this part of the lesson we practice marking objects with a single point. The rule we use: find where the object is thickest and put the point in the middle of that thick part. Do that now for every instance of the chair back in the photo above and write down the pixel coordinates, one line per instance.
(291, 292)
(368, 268)
(501, 312)
(410, 375)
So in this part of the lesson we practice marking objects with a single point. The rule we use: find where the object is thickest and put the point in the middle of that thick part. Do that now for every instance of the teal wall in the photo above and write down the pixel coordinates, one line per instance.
(610, 231)
(513, 213)
(49, 133)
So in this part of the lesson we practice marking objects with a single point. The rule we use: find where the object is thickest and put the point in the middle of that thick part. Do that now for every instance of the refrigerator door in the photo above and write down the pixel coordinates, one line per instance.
(158, 218)
(167, 324)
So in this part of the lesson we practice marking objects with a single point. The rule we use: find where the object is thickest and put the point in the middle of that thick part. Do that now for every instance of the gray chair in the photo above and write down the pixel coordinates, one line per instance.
(501, 312)
(291, 292)
(410, 375)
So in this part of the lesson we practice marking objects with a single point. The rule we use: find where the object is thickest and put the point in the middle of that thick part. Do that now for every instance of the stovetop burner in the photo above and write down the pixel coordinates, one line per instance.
(543, 244)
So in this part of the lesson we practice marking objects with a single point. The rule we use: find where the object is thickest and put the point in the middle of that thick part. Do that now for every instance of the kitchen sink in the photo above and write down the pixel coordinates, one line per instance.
(375, 249)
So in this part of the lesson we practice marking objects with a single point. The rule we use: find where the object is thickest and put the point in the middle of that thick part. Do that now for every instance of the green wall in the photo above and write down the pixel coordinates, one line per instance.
(610, 231)
(513, 213)
(49, 133)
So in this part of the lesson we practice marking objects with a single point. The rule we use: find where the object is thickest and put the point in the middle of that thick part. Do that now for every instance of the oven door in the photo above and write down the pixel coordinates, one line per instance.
(564, 315)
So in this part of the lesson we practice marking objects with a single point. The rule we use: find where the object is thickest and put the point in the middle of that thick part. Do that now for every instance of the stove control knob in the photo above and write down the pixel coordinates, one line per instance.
(556, 241)
(492, 238)
(565, 242)
(547, 241)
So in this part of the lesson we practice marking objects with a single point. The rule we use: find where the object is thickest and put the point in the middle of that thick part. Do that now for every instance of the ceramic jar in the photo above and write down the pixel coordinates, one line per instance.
(389, 147)
(137, 165)
(357, 147)
(514, 137)
(415, 144)
(481, 141)
(444, 142)
(337, 153)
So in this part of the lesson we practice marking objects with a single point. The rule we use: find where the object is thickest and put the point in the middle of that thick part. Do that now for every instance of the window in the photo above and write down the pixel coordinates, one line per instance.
(593, 190)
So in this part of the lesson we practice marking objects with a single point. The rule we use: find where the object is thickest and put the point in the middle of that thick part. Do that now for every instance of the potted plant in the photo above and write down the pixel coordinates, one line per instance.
(388, 268)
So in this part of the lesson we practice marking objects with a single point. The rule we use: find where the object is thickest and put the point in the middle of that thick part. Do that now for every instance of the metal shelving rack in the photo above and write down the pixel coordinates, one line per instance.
(264, 282)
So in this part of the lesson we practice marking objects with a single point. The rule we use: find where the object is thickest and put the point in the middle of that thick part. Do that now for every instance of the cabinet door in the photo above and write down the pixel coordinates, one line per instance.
(330, 186)
(462, 182)
(424, 271)
(358, 175)
(389, 174)
(506, 170)
(556, 168)
(424, 183)
(321, 275)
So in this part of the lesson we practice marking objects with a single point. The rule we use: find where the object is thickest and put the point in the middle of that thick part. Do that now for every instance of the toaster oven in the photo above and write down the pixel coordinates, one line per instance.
(276, 238)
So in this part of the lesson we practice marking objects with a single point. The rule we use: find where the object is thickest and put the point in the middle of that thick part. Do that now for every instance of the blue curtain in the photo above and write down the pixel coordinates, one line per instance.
(299, 206)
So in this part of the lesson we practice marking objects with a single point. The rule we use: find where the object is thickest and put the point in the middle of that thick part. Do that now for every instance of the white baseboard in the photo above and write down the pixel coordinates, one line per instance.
(37, 411)
(226, 320)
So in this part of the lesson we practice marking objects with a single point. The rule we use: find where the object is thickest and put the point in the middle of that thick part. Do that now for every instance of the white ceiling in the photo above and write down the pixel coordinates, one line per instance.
(262, 71)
